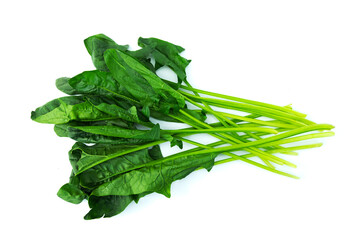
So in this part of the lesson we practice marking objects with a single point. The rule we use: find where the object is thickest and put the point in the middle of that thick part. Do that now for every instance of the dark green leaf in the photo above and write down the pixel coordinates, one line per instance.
(155, 152)
(71, 193)
(176, 142)
(107, 206)
(96, 46)
(104, 171)
(154, 177)
(98, 83)
(166, 54)
(84, 157)
(115, 131)
(86, 154)
(65, 109)
(142, 84)
(63, 85)
(115, 108)
(70, 131)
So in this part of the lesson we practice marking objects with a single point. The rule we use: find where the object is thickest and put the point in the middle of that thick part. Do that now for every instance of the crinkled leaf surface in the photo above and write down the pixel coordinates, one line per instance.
(71, 193)
(84, 157)
(107, 206)
(96, 45)
(117, 108)
(65, 109)
(103, 172)
(70, 131)
(115, 131)
(154, 177)
(97, 83)
(63, 85)
(166, 54)
(143, 84)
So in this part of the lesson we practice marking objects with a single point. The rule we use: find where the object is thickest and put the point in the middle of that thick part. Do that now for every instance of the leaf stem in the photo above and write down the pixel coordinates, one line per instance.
(256, 103)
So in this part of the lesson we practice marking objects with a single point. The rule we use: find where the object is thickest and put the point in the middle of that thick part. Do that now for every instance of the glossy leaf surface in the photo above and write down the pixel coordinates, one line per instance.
(143, 84)
(154, 177)
(166, 54)
(96, 46)
(66, 109)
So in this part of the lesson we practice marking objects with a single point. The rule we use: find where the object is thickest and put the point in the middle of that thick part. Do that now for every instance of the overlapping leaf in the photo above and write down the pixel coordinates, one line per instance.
(166, 54)
(66, 109)
(144, 85)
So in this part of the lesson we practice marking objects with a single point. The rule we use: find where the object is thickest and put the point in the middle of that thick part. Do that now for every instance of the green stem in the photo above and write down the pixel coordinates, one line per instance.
(242, 158)
(290, 133)
(261, 122)
(256, 103)
(297, 139)
(299, 121)
(232, 140)
(220, 130)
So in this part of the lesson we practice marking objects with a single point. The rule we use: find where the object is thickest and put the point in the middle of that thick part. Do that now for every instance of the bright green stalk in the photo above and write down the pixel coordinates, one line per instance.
(221, 130)
(275, 114)
(290, 133)
(244, 159)
(233, 140)
(299, 138)
(256, 103)
(221, 115)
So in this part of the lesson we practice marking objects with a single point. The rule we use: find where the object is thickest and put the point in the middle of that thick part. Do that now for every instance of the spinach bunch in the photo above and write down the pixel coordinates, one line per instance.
(110, 113)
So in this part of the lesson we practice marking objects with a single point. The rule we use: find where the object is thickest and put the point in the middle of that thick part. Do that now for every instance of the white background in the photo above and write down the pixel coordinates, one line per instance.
(306, 53)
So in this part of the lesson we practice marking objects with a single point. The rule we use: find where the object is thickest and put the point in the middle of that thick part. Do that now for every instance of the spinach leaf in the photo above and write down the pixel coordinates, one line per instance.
(111, 205)
(106, 170)
(76, 133)
(96, 46)
(72, 191)
(115, 131)
(63, 85)
(65, 109)
(118, 108)
(103, 172)
(142, 84)
(166, 54)
(84, 157)
(154, 177)
(98, 83)
(107, 206)
(84, 153)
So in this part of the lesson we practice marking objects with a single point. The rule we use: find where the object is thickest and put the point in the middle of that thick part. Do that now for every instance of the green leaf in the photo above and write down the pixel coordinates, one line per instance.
(116, 108)
(63, 85)
(96, 46)
(155, 152)
(142, 84)
(115, 131)
(98, 83)
(107, 206)
(111, 205)
(155, 177)
(166, 54)
(103, 172)
(71, 193)
(71, 131)
(84, 157)
(86, 154)
(65, 109)
(176, 142)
